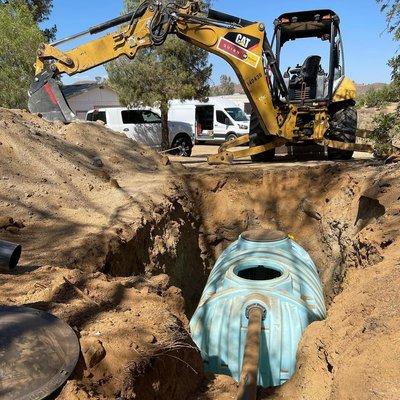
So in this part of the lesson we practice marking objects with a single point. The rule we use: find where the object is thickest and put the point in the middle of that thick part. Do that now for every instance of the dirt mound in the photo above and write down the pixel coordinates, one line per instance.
(75, 197)
(133, 333)
(66, 187)
(119, 245)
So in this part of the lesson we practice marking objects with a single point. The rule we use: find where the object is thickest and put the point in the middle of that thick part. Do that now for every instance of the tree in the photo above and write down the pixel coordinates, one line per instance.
(225, 87)
(19, 40)
(41, 10)
(392, 10)
(175, 70)
(386, 135)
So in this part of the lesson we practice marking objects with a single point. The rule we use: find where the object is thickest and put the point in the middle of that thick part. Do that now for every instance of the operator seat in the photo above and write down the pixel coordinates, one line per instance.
(303, 81)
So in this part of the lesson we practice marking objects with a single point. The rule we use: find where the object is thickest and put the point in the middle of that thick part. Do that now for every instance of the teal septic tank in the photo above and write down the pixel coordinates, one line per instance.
(267, 269)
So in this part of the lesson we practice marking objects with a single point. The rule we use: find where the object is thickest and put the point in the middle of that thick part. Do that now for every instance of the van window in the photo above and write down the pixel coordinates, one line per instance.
(97, 116)
(221, 117)
(237, 114)
(132, 117)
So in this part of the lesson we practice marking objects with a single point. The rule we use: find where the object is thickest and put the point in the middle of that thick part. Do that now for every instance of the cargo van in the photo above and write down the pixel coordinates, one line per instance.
(216, 121)
(144, 126)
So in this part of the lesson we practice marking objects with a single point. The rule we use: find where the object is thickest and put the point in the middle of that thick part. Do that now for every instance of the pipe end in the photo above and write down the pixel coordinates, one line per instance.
(14, 259)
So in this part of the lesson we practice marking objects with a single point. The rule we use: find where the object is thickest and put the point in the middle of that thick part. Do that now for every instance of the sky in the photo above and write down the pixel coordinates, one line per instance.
(367, 46)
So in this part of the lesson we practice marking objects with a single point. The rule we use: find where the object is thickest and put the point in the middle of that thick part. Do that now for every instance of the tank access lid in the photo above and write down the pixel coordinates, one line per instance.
(38, 352)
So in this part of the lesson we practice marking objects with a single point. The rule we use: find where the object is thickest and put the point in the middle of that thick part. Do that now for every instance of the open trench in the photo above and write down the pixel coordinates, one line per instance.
(322, 210)
(337, 212)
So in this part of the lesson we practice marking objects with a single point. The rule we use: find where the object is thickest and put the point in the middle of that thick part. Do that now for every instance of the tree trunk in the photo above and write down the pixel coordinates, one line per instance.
(165, 145)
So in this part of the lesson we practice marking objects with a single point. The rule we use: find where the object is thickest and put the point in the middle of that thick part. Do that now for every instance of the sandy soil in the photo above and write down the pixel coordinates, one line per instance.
(202, 151)
(366, 115)
(74, 197)
(119, 242)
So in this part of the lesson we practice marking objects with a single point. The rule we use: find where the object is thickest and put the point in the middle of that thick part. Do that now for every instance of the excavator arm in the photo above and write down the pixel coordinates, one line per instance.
(243, 44)
(45, 96)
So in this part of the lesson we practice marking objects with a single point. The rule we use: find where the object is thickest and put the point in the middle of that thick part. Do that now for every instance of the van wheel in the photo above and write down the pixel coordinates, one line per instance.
(183, 147)
(231, 136)
(258, 138)
(343, 128)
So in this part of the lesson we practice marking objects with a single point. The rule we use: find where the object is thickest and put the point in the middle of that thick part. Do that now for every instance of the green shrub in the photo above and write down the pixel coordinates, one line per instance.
(386, 132)
(19, 39)
(380, 97)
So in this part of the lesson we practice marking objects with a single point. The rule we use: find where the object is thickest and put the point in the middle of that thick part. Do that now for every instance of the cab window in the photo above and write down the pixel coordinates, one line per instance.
(97, 116)
(140, 117)
(150, 117)
(132, 117)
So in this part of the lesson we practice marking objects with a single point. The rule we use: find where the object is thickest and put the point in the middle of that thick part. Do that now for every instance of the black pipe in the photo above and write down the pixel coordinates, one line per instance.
(230, 19)
(251, 359)
(9, 254)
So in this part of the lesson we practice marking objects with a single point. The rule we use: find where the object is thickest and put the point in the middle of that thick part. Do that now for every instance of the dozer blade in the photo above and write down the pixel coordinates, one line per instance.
(47, 100)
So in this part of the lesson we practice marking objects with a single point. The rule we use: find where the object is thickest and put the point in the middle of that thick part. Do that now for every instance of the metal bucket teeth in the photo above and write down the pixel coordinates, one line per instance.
(47, 100)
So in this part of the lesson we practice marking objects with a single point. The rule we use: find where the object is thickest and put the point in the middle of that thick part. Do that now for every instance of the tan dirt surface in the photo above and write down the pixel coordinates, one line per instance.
(118, 242)
(75, 197)
(366, 115)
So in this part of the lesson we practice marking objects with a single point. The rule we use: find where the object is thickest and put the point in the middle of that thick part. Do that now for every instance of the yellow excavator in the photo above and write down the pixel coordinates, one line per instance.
(306, 105)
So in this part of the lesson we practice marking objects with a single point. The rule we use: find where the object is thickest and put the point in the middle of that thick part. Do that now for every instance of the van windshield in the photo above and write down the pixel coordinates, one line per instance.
(237, 114)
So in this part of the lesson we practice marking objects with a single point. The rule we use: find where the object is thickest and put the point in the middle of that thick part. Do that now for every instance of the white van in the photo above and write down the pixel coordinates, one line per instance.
(217, 121)
(144, 126)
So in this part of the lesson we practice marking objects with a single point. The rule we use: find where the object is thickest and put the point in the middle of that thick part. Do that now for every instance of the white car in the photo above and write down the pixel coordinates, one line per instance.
(144, 126)
(217, 120)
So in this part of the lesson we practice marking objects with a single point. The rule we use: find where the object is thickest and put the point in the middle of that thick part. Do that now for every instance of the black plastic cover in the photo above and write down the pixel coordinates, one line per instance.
(38, 352)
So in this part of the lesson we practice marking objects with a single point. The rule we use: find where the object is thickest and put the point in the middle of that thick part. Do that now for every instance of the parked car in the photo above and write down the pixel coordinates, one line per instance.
(217, 120)
(144, 126)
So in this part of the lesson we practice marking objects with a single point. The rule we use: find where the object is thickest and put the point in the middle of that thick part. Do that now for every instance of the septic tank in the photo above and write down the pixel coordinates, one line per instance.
(265, 269)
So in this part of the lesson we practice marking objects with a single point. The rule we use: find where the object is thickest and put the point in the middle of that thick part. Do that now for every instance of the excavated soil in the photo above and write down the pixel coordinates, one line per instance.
(118, 242)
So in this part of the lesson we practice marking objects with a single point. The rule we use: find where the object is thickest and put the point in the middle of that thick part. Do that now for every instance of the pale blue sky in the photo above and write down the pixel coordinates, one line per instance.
(367, 46)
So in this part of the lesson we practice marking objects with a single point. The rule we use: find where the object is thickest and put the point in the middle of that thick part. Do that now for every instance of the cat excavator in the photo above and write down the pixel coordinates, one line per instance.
(304, 105)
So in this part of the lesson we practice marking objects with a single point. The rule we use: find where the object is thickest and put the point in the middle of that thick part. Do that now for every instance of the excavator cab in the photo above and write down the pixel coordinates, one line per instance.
(317, 82)
(308, 81)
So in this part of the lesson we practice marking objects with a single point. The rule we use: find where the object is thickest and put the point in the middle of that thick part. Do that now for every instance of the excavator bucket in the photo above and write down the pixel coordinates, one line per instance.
(47, 100)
